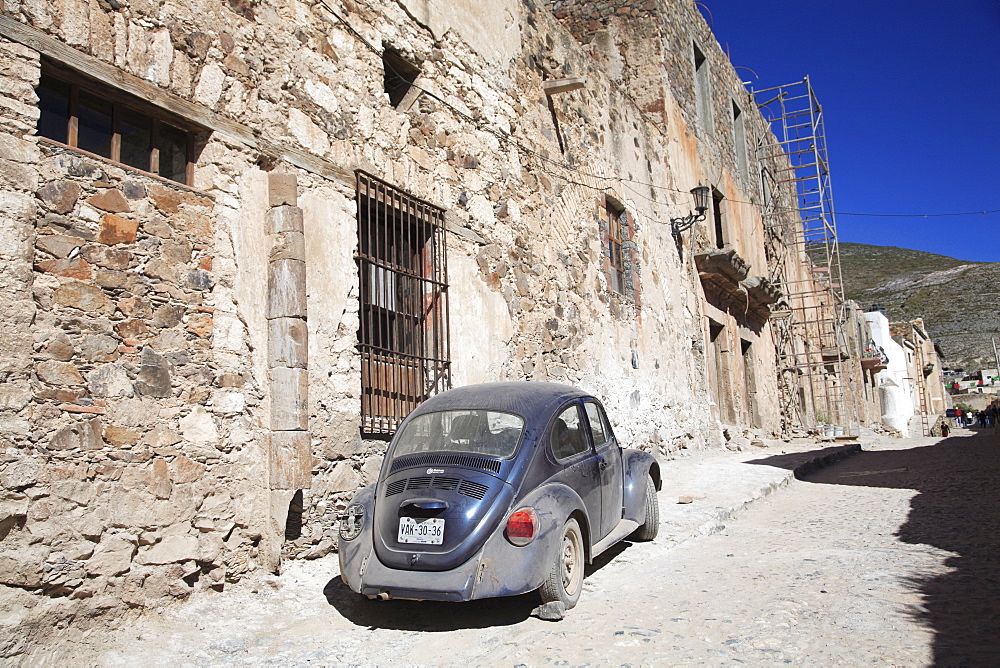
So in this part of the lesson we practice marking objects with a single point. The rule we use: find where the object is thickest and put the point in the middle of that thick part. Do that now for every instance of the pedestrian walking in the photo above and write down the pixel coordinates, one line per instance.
(944, 429)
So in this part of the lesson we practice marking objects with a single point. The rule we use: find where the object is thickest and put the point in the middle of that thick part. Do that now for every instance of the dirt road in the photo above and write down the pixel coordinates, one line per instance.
(888, 556)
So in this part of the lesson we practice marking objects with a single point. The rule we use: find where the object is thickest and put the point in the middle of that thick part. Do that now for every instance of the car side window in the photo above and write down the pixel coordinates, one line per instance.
(569, 435)
(597, 424)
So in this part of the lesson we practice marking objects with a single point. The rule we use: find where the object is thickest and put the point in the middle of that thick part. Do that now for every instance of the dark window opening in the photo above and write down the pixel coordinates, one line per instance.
(400, 75)
(293, 522)
(720, 228)
(616, 220)
(702, 90)
(740, 141)
(100, 120)
(403, 334)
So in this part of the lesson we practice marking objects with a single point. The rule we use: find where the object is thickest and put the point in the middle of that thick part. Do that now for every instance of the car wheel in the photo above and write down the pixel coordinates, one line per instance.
(649, 528)
(565, 580)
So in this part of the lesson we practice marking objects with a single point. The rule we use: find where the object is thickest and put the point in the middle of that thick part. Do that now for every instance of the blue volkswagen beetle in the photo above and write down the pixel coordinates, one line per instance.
(496, 490)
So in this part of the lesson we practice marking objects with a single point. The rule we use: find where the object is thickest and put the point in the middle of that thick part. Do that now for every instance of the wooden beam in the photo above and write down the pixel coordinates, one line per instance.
(556, 86)
(106, 73)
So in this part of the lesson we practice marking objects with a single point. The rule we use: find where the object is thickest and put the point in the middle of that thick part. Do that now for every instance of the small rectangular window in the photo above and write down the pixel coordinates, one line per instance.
(618, 232)
(92, 117)
(740, 141)
(720, 227)
(400, 75)
(703, 91)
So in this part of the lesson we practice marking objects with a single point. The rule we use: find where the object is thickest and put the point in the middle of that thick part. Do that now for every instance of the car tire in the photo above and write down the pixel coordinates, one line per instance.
(648, 529)
(565, 580)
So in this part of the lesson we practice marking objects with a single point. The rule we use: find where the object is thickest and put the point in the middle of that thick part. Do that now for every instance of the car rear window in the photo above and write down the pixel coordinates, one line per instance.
(481, 432)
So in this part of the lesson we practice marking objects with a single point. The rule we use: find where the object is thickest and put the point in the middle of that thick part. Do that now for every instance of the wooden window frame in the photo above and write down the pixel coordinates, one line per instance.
(619, 232)
(121, 104)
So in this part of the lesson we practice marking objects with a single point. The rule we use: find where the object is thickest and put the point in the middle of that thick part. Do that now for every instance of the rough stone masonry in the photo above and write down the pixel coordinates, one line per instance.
(180, 380)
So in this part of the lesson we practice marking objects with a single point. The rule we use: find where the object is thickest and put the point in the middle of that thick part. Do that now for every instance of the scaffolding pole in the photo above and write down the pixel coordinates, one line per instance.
(811, 341)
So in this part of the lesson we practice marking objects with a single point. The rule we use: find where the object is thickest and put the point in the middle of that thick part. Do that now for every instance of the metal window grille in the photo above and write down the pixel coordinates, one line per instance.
(403, 335)
(617, 221)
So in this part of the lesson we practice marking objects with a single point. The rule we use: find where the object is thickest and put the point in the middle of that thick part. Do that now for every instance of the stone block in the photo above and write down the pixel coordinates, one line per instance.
(84, 297)
(117, 230)
(113, 556)
(111, 200)
(21, 565)
(287, 343)
(154, 375)
(59, 245)
(198, 427)
(288, 246)
(200, 324)
(167, 316)
(14, 397)
(187, 470)
(133, 328)
(58, 373)
(284, 219)
(109, 258)
(99, 348)
(109, 380)
(290, 454)
(20, 473)
(17, 149)
(282, 188)
(170, 550)
(59, 348)
(158, 480)
(70, 268)
(289, 399)
(60, 196)
(228, 402)
(286, 289)
(120, 436)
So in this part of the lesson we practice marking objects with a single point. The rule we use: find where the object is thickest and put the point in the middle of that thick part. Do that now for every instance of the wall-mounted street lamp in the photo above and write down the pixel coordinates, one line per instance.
(678, 225)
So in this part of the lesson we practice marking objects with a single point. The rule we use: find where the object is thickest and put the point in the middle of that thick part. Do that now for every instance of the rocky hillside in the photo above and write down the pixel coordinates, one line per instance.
(959, 301)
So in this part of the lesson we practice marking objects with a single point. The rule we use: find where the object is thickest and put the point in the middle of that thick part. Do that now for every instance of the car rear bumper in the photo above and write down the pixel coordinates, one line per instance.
(457, 584)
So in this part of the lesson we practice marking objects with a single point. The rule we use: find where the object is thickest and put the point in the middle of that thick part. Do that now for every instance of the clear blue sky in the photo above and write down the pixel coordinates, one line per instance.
(911, 95)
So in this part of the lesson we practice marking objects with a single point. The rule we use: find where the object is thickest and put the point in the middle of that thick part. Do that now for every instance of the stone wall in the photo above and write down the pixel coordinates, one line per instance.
(180, 388)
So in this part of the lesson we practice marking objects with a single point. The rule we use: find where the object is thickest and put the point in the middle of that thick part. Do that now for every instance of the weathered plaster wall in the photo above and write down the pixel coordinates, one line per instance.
(145, 456)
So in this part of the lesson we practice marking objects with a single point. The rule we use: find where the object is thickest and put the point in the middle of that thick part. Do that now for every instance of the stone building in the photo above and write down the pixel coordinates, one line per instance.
(240, 240)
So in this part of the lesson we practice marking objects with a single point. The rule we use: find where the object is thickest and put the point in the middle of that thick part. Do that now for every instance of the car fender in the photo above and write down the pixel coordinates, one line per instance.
(638, 465)
(506, 569)
(354, 554)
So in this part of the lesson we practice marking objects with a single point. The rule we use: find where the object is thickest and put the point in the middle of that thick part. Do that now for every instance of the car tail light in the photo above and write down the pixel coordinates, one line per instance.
(522, 526)
(352, 521)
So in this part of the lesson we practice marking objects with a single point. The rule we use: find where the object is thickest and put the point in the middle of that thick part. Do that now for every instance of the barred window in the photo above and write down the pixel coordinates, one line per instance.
(92, 117)
(403, 335)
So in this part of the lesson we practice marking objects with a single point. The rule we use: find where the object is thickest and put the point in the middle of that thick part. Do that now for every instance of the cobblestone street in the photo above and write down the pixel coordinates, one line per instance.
(885, 557)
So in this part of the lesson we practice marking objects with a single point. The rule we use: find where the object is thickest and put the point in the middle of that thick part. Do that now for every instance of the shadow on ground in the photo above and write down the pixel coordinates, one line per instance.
(957, 508)
(437, 616)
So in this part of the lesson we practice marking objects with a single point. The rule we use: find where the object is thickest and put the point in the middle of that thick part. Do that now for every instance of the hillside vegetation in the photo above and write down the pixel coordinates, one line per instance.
(958, 300)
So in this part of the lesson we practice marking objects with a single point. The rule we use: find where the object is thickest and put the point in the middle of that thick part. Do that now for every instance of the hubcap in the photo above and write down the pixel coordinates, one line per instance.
(571, 563)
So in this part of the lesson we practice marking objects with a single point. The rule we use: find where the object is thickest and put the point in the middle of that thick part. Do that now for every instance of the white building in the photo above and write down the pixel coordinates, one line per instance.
(894, 384)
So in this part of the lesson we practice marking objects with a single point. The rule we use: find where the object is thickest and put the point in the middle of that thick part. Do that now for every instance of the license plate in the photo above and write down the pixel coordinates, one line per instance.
(425, 532)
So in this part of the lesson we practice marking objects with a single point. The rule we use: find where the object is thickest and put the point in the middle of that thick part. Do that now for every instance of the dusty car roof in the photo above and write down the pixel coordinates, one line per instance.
(529, 399)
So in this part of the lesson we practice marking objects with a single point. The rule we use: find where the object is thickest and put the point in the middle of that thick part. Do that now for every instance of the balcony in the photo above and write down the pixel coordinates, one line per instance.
(725, 276)
(874, 359)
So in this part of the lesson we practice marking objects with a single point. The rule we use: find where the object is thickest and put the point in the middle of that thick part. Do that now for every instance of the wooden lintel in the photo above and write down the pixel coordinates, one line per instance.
(556, 86)
(106, 73)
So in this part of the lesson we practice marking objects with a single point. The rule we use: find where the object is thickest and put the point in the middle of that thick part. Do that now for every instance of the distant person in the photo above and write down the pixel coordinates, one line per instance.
(945, 429)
